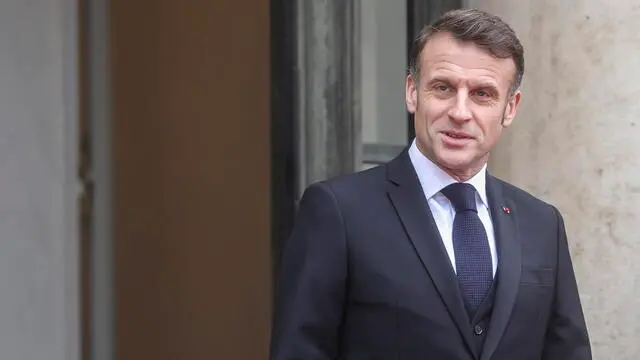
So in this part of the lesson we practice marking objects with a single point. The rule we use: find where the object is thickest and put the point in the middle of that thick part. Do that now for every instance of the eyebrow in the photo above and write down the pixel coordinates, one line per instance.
(484, 85)
(438, 79)
(480, 84)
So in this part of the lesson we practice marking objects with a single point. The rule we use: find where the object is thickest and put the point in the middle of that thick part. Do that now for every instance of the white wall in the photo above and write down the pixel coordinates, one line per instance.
(38, 214)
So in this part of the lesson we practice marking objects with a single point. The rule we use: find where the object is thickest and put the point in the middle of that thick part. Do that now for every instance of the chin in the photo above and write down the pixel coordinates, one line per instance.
(454, 161)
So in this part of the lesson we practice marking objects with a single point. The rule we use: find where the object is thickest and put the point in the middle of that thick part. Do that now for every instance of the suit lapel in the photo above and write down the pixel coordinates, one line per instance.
(504, 217)
(411, 206)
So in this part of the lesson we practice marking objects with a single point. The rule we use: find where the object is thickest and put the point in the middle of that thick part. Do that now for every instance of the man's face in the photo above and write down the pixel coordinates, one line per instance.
(461, 102)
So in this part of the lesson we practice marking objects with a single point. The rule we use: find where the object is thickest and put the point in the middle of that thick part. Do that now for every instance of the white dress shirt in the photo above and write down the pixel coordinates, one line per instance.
(433, 179)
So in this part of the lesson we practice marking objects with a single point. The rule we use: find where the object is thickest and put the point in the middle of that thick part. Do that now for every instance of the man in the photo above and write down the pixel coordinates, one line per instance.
(429, 256)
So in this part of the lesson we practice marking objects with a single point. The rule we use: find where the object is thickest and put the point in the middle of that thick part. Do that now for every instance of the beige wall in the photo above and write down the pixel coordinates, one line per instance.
(39, 189)
(191, 163)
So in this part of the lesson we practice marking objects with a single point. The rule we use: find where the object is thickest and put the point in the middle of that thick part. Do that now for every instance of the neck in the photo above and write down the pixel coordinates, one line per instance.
(460, 174)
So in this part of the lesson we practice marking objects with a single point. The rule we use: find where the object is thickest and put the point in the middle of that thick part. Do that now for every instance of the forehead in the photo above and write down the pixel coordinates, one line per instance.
(443, 55)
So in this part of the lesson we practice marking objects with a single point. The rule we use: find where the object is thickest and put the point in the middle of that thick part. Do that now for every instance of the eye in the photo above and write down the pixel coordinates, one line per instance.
(442, 87)
(482, 93)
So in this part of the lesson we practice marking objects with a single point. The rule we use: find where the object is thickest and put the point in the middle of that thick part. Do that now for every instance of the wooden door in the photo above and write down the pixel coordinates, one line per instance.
(190, 81)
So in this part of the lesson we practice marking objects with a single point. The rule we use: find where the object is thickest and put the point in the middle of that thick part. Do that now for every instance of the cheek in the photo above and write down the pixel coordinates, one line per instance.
(491, 130)
(432, 115)
(495, 134)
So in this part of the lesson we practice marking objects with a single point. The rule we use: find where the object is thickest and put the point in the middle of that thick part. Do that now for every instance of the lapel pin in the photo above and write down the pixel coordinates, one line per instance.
(506, 210)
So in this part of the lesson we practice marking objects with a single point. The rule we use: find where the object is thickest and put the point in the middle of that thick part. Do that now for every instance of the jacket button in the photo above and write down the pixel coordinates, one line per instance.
(478, 330)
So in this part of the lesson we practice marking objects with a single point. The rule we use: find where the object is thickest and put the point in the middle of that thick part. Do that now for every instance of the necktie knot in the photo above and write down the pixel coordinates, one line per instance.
(461, 195)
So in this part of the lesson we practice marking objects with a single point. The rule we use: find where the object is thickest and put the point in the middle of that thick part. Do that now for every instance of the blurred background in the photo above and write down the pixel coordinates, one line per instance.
(153, 153)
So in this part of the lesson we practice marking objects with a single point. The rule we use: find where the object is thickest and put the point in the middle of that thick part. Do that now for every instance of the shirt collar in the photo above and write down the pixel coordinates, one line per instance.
(433, 179)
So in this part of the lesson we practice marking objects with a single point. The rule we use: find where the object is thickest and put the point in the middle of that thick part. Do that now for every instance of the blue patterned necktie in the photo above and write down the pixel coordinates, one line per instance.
(473, 255)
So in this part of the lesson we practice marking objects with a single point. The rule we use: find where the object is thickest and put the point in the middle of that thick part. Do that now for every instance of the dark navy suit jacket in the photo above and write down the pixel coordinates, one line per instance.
(365, 276)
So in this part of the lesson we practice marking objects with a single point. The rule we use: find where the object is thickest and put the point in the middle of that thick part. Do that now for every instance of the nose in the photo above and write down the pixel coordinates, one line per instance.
(459, 110)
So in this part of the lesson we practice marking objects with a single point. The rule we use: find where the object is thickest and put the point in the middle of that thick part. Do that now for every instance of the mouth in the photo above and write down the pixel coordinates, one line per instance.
(457, 135)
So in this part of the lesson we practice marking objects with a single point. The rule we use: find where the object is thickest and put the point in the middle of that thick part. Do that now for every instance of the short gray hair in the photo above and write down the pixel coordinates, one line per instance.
(485, 30)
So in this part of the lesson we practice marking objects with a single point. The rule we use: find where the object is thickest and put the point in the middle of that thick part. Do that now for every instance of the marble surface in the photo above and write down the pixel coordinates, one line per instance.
(575, 144)
(38, 229)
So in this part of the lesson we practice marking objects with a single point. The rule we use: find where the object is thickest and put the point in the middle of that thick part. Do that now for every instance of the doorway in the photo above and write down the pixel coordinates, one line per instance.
(191, 167)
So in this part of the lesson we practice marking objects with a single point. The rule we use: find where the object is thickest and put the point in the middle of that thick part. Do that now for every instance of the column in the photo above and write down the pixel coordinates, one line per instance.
(575, 144)
(38, 189)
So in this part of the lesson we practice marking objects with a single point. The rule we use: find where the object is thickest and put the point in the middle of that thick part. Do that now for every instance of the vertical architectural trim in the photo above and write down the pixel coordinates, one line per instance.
(284, 112)
(98, 112)
(329, 126)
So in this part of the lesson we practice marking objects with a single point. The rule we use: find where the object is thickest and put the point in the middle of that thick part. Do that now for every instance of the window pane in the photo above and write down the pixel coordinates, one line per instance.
(383, 71)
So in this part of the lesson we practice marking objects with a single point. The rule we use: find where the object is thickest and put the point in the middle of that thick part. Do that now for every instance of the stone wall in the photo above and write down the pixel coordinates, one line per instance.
(575, 144)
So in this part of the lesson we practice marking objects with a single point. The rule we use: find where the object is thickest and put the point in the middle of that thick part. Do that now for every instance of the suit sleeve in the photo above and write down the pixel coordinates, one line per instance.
(567, 337)
(311, 283)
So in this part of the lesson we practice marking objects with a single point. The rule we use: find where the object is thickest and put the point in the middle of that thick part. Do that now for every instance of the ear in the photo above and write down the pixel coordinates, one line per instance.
(511, 109)
(411, 94)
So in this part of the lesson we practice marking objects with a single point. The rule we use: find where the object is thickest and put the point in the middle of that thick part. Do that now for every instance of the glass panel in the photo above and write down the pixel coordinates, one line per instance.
(383, 31)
